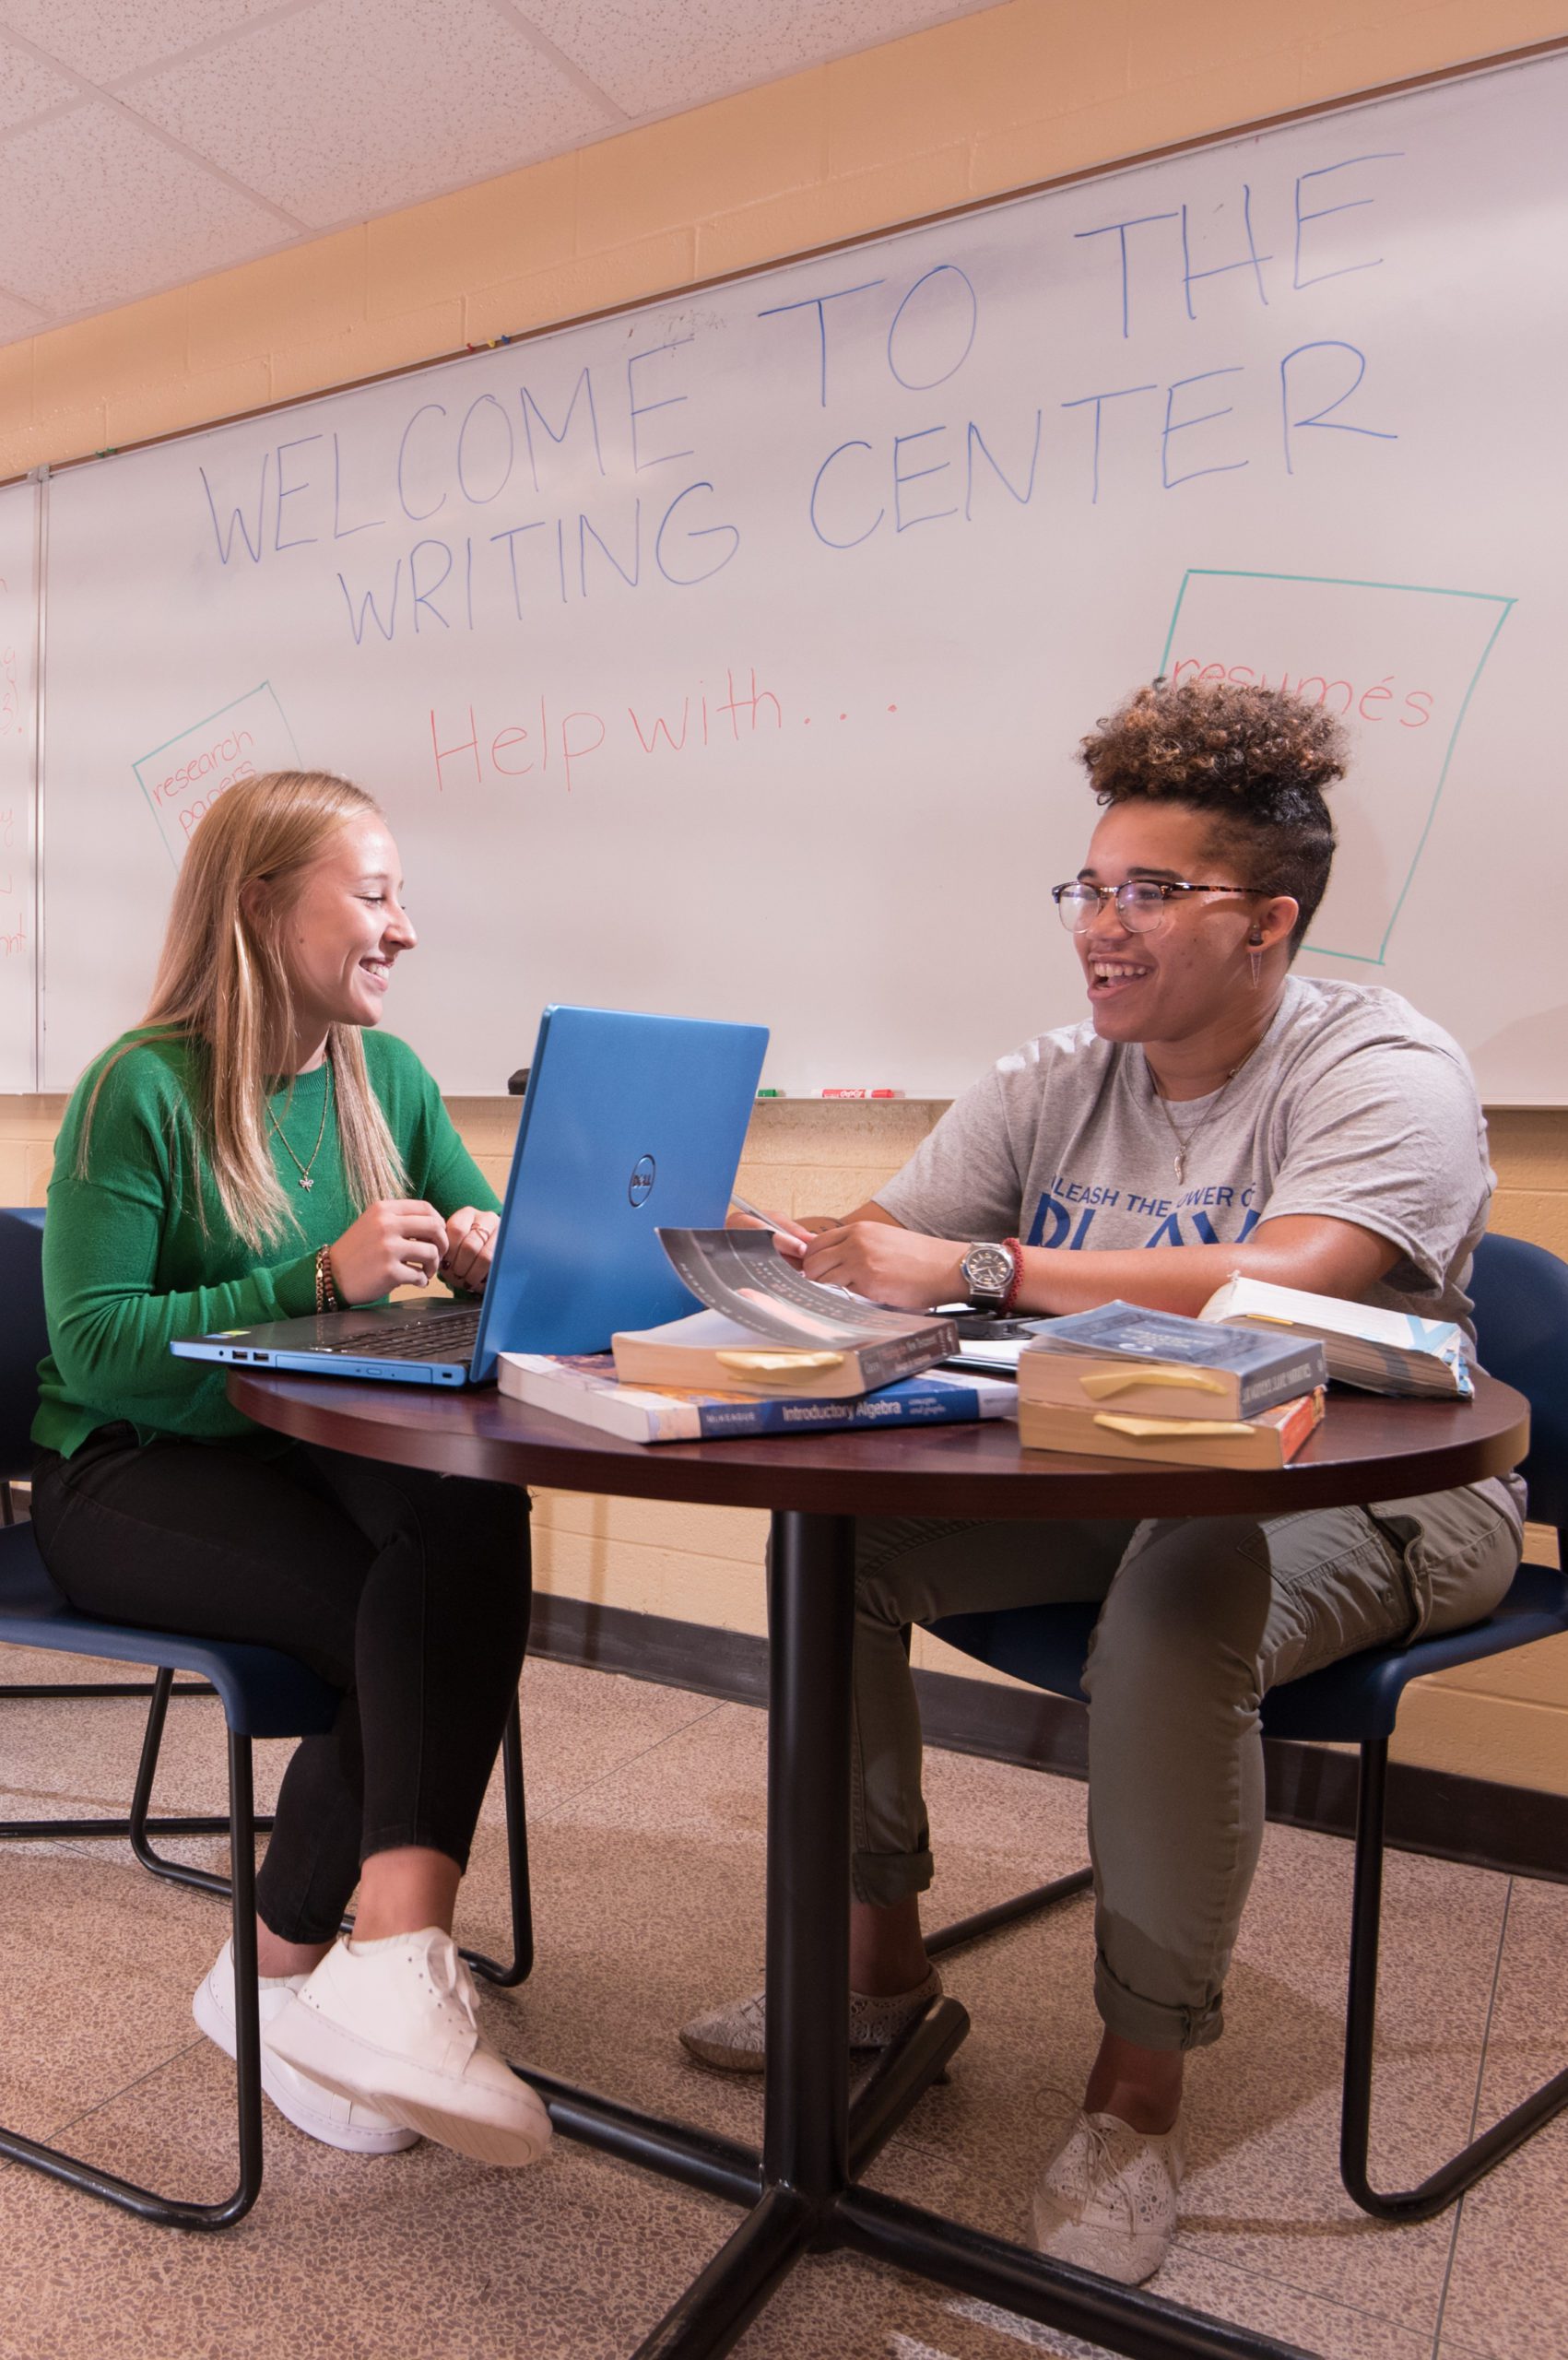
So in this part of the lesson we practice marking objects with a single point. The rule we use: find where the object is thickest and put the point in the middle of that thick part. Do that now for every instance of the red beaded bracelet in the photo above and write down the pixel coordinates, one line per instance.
(1016, 1250)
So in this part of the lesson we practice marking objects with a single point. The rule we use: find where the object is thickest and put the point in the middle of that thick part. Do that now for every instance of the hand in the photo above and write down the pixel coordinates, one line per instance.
(396, 1243)
(790, 1237)
(887, 1265)
(470, 1245)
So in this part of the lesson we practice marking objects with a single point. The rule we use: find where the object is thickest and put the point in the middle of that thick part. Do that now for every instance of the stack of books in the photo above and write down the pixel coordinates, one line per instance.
(587, 1388)
(771, 1354)
(1121, 1382)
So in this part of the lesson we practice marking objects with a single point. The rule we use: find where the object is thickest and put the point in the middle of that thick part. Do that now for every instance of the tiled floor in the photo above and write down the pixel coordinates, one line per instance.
(646, 1808)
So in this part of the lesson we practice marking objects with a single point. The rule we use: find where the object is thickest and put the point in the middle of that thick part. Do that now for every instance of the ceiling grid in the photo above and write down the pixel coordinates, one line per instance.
(142, 147)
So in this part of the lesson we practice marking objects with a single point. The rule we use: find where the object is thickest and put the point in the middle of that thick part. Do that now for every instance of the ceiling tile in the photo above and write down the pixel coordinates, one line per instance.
(340, 112)
(103, 39)
(28, 88)
(98, 211)
(653, 56)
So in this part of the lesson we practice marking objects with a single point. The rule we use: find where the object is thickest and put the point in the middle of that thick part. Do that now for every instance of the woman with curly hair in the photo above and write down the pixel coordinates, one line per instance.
(1236, 1118)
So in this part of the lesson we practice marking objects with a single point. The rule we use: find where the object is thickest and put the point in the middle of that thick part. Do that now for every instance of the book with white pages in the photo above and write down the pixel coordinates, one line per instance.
(1367, 1344)
(768, 1328)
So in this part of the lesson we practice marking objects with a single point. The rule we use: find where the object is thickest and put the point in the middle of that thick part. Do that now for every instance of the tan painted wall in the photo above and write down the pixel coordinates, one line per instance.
(1019, 94)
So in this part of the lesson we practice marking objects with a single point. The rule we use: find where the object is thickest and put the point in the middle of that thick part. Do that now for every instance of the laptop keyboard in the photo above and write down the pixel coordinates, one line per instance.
(445, 1336)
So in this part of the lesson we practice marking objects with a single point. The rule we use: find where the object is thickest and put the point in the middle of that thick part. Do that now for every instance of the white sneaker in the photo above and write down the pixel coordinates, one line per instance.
(395, 2023)
(732, 2037)
(1106, 2200)
(340, 2122)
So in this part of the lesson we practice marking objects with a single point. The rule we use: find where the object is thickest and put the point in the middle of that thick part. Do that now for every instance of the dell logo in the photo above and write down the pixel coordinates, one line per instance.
(640, 1187)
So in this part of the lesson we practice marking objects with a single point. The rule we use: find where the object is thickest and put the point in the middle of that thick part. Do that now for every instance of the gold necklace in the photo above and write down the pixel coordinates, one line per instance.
(1185, 1140)
(304, 1170)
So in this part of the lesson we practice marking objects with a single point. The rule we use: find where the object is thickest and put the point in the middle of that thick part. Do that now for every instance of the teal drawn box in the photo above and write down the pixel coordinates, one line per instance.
(181, 777)
(1415, 631)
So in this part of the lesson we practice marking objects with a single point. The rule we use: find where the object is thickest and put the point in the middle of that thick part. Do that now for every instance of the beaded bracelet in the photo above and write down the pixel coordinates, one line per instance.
(326, 1292)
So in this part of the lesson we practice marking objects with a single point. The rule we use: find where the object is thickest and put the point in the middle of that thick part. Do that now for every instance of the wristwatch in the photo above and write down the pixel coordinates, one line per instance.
(988, 1273)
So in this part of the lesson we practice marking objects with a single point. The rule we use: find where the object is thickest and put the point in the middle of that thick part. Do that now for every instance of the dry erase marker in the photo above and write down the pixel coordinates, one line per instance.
(795, 1237)
(773, 1094)
(862, 1093)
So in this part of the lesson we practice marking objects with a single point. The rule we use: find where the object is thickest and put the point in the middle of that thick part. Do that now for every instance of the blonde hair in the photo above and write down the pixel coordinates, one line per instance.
(222, 985)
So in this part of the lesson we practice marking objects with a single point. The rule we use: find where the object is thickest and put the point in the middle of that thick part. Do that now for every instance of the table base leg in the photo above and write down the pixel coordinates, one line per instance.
(721, 2304)
(800, 2192)
(701, 2159)
(1121, 2319)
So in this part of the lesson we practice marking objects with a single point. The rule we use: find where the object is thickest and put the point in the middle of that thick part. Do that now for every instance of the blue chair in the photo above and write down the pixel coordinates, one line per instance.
(1521, 1297)
(264, 1693)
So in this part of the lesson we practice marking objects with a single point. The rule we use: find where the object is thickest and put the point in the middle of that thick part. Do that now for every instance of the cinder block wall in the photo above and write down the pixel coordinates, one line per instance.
(975, 108)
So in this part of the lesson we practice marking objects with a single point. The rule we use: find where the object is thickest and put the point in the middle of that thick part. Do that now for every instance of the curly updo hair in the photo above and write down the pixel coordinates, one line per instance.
(1254, 761)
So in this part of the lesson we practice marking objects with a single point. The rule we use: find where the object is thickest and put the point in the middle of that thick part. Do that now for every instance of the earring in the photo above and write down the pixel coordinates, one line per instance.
(1255, 958)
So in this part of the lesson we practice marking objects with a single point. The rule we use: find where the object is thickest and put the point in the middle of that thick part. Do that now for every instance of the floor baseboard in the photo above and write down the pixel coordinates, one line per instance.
(1517, 1830)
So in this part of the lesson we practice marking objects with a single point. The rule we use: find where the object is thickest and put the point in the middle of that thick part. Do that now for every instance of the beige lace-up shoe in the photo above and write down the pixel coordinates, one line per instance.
(1106, 2200)
(731, 2037)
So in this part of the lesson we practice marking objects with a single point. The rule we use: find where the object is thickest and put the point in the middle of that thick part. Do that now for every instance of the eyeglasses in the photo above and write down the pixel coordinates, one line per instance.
(1140, 903)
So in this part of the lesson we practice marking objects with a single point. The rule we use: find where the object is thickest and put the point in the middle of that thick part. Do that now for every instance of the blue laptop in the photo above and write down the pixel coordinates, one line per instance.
(630, 1123)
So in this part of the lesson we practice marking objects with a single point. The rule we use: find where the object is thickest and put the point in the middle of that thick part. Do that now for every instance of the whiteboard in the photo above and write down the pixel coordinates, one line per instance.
(18, 717)
(728, 656)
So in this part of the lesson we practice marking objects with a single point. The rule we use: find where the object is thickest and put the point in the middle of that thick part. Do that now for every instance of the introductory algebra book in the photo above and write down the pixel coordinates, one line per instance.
(769, 1330)
(1271, 1440)
(1157, 1364)
(1379, 1349)
(585, 1387)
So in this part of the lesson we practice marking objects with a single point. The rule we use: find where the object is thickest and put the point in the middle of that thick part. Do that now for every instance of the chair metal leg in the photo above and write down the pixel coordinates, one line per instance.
(522, 1966)
(70, 1692)
(212, 1880)
(1435, 2193)
(1002, 1913)
(168, 2212)
(138, 1826)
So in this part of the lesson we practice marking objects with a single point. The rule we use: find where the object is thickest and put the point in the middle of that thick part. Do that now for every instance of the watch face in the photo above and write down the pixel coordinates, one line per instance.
(987, 1270)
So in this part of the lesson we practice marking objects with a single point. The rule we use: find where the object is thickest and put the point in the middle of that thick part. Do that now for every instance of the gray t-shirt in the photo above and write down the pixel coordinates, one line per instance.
(1352, 1105)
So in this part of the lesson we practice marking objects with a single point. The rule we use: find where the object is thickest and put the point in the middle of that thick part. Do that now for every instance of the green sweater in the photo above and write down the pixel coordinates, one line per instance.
(139, 1253)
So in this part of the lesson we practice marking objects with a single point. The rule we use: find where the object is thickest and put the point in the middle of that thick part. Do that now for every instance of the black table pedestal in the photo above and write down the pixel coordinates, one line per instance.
(801, 2193)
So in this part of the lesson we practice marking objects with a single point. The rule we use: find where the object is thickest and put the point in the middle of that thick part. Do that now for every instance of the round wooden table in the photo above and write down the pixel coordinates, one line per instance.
(801, 2193)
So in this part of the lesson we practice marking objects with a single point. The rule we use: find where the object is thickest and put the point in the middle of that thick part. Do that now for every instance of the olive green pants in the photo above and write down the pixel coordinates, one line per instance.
(1201, 1616)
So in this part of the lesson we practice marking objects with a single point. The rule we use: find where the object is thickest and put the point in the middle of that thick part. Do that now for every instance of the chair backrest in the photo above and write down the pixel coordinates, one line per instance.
(24, 1339)
(1521, 1298)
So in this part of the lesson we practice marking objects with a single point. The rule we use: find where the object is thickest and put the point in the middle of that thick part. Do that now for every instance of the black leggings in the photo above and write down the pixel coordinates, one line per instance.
(409, 1591)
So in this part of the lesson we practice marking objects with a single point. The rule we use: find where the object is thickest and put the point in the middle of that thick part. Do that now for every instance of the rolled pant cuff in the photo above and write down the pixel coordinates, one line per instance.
(882, 1878)
(1153, 2023)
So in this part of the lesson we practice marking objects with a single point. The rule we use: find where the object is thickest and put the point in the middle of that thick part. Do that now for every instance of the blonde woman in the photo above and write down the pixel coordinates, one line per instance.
(255, 1150)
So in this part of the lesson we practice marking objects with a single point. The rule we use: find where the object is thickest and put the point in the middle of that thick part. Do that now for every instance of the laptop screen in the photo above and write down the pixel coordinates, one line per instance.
(630, 1123)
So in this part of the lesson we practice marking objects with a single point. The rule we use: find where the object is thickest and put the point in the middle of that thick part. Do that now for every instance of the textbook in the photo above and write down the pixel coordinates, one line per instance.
(1380, 1351)
(768, 1329)
(1270, 1440)
(585, 1387)
(1159, 1365)
(715, 1354)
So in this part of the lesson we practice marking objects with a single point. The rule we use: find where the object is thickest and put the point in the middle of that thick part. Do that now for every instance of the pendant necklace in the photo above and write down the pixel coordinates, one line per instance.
(304, 1170)
(1185, 1140)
